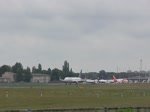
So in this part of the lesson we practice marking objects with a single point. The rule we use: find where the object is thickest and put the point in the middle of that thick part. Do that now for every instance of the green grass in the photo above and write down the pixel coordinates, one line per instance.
(70, 96)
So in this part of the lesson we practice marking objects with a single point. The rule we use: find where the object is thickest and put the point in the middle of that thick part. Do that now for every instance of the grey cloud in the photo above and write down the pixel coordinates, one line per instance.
(95, 34)
(88, 16)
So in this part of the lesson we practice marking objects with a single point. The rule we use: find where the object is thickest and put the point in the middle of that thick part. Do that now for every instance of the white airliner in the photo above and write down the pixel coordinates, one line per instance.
(106, 81)
(115, 80)
(96, 81)
(119, 80)
(71, 80)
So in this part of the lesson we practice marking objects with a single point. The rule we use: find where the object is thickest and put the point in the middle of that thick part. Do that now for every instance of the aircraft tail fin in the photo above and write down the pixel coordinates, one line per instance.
(80, 73)
(60, 79)
(115, 80)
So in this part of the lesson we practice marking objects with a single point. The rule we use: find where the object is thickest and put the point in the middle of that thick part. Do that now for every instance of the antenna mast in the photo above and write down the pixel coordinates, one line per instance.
(140, 65)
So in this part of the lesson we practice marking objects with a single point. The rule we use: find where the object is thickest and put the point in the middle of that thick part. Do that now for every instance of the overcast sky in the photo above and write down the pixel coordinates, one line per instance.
(90, 34)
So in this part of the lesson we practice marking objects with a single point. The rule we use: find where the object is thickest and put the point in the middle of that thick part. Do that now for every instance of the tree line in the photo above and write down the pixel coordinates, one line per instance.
(25, 74)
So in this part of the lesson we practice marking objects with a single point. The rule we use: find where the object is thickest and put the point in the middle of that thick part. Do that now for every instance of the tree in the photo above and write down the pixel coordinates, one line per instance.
(65, 70)
(44, 72)
(27, 75)
(4, 68)
(34, 69)
(55, 74)
(66, 67)
(49, 71)
(102, 74)
(39, 68)
(18, 69)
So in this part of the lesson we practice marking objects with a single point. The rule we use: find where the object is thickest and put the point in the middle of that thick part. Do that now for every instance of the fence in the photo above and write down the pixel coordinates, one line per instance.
(102, 109)
(134, 109)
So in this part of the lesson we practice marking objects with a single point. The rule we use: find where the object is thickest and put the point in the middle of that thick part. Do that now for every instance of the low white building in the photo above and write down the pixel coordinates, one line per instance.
(8, 77)
(42, 78)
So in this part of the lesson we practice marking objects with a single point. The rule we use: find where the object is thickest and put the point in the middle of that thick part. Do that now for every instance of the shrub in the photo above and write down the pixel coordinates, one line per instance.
(125, 110)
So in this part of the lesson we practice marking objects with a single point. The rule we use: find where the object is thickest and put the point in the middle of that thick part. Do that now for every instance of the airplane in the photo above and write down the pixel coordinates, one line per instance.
(71, 80)
(106, 81)
(96, 81)
(114, 80)
(119, 80)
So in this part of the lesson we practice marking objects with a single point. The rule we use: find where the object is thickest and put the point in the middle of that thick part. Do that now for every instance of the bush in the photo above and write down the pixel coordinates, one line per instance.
(125, 110)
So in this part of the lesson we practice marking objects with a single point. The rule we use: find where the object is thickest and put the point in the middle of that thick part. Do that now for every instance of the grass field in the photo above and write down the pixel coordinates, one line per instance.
(72, 96)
